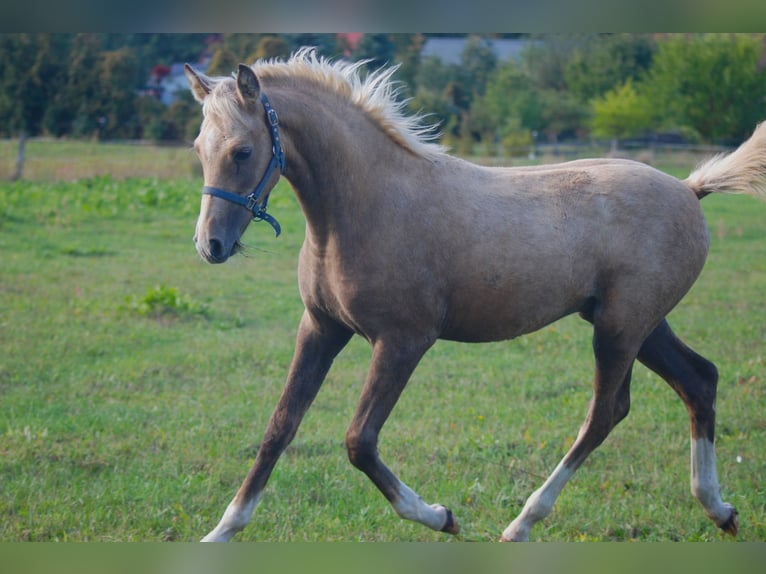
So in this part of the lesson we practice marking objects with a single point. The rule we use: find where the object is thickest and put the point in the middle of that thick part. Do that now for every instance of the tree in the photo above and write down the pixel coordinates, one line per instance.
(601, 62)
(620, 113)
(117, 78)
(546, 59)
(512, 99)
(433, 75)
(477, 63)
(223, 62)
(80, 92)
(560, 112)
(270, 47)
(407, 55)
(711, 83)
(30, 79)
(325, 44)
(380, 49)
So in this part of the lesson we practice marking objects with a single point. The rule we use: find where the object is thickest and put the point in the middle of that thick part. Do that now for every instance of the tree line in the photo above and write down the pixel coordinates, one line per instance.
(702, 87)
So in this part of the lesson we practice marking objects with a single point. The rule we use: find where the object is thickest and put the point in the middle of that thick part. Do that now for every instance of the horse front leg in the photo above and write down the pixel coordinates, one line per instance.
(392, 364)
(318, 343)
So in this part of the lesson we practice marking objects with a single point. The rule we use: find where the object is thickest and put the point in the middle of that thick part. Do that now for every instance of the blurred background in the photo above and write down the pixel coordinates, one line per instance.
(496, 97)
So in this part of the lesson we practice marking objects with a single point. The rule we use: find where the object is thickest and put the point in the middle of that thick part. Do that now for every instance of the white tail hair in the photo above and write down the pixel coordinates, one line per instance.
(741, 171)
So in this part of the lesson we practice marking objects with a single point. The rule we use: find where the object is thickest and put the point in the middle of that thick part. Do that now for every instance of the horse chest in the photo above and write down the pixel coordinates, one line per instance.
(367, 299)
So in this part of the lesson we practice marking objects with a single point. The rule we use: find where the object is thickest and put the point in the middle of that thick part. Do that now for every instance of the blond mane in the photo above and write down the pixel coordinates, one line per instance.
(376, 94)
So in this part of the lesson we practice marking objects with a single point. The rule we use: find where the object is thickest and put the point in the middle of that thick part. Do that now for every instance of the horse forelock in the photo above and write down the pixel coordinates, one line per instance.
(376, 93)
(222, 102)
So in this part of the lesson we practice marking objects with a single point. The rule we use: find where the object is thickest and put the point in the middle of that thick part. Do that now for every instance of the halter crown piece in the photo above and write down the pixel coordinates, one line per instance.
(250, 202)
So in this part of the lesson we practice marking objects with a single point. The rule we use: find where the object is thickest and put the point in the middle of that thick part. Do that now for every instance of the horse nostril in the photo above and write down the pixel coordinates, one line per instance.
(216, 249)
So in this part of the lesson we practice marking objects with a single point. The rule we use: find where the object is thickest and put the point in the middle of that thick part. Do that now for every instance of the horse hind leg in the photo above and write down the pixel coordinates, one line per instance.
(694, 379)
(610, 404)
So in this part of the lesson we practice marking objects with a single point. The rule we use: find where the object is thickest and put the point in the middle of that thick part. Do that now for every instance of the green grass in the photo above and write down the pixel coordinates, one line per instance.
(121, 423)
(67, 160)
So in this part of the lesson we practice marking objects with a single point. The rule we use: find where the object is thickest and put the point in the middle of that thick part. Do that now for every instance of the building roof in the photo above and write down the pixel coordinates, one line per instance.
(448, 50)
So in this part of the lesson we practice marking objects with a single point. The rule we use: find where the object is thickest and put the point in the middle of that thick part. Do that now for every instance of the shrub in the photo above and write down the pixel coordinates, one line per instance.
(164, 301)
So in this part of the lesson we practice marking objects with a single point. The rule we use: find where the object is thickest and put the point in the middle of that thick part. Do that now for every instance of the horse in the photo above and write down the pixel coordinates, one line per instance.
(406, 244)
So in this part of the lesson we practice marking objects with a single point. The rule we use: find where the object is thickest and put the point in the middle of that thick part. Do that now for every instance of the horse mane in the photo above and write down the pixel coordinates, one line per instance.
(375, 93)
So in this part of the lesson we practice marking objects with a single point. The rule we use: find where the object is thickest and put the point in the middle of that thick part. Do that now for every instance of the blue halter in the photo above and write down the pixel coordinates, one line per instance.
(250, 202)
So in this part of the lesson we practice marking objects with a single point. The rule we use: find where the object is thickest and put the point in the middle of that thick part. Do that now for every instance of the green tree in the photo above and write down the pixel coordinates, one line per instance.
(560, 112)
(270, 47)
(117, 79)
(223, 62)
(546, 59)
(81, 93)
(150, 111)
(433, 75)
(30, 78)
(620, 113)
(430, 84)
(325, 44)
(477, 63)
(603, 61)
(380, 49)
(711, 83)
(513, 101)
(407, 49)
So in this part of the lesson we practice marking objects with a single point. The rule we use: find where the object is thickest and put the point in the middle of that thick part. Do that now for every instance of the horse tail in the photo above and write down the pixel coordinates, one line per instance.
(740, 171)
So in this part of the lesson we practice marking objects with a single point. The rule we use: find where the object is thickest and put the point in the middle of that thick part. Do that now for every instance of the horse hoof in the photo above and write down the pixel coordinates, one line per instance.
(451, 526)
(505, 538)
(731, 526)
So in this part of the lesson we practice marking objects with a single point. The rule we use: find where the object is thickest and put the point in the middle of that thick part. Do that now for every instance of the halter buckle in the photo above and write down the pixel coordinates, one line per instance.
(272, 116)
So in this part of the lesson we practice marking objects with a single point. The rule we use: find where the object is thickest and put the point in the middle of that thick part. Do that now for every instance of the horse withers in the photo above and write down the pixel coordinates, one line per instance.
(406, 244)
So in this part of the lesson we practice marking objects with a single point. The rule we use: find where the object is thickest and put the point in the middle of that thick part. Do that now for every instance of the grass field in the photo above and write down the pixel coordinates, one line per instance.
(136, 381)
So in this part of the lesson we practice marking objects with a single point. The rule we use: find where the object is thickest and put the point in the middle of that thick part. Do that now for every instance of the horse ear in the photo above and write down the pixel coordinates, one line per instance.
(200, 84)
(248, 86)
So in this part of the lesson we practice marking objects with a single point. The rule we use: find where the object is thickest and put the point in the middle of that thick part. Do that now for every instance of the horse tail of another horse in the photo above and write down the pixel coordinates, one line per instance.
(741, 171)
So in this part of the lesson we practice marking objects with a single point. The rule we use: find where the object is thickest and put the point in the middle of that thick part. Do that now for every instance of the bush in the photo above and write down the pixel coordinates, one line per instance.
(166, 302)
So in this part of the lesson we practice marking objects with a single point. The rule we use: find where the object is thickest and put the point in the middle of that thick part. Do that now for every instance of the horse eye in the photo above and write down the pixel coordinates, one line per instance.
(243, 154)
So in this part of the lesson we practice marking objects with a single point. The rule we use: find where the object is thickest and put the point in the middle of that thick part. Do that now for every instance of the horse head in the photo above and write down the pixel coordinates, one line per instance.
(240, 154)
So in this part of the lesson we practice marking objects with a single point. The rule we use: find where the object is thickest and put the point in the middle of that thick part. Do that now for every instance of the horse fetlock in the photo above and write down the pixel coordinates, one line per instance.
(234, 519)
(219, 534)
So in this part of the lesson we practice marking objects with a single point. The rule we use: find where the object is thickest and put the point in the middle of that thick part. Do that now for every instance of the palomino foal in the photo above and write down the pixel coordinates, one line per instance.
(405, 245)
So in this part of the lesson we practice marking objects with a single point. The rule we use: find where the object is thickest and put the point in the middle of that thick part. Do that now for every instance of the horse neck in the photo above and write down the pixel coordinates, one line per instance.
(336, 159)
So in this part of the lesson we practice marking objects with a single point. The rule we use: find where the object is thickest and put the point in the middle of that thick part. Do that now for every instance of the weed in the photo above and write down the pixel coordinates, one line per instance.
(163, 301)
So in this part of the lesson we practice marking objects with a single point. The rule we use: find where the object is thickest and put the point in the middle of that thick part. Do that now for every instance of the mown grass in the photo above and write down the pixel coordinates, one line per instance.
(120, 424)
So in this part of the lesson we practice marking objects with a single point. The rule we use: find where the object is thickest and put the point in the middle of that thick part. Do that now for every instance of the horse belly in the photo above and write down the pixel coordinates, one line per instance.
(498, 314)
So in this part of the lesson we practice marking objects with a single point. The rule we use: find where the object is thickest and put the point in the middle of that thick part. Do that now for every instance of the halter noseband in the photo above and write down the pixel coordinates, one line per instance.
(250, 202)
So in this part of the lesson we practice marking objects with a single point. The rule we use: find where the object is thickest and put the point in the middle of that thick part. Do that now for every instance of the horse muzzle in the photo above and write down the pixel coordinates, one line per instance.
(215, 250)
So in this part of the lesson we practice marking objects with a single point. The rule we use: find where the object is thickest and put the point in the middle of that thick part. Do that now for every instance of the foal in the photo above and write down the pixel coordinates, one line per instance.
(405, 245)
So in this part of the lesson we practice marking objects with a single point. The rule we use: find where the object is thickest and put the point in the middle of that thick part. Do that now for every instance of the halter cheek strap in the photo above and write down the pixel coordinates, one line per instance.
(250, 202)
